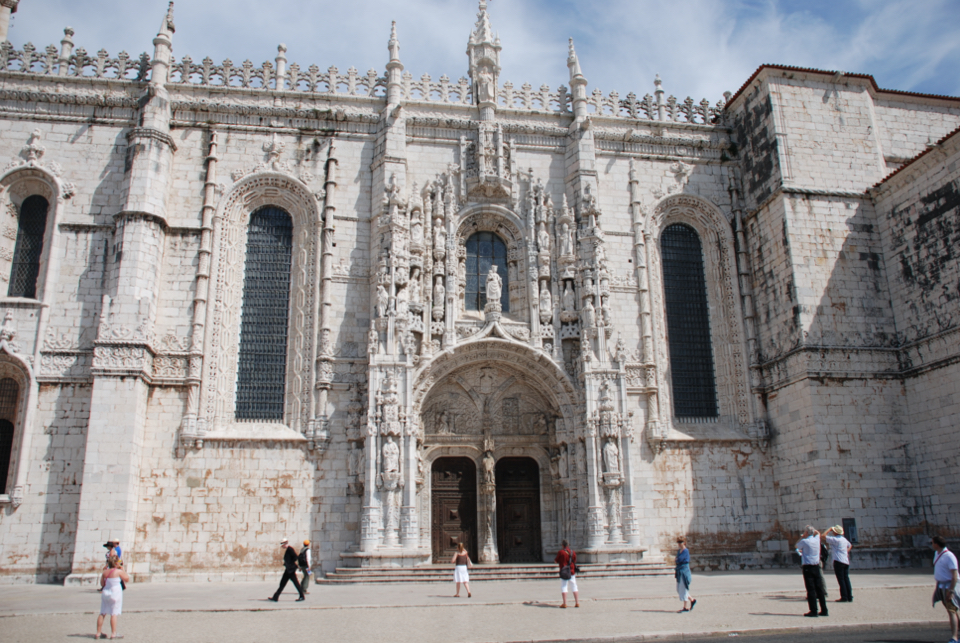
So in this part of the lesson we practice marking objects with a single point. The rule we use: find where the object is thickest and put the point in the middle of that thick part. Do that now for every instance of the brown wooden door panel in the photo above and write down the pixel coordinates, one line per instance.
(453, 507)
(518, 510)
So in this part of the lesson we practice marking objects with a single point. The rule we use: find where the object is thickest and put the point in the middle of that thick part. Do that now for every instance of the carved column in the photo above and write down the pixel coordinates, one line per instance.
(487, 509)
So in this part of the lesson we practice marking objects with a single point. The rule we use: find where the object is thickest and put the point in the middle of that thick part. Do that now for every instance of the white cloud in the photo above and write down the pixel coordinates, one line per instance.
(699, 47)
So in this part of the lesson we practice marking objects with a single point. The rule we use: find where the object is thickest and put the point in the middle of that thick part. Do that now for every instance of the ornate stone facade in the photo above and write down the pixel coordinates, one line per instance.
(478, 313)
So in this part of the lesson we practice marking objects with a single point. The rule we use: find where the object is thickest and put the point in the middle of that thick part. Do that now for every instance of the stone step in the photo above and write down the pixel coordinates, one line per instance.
(444, 573)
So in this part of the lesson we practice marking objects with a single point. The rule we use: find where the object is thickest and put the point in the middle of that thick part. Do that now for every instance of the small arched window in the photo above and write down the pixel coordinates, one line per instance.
(485, 249)
(688, 324)
(262, 364)
(9, 395)
(26, 255)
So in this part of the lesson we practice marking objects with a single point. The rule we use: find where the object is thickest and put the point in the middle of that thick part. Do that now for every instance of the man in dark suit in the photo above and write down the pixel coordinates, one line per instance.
(289, 571)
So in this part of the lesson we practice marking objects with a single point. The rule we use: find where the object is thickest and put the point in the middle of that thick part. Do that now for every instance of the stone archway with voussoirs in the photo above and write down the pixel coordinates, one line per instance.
(488, 400)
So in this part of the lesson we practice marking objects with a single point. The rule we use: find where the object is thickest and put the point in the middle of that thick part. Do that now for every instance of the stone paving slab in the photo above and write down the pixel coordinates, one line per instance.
(504, 612)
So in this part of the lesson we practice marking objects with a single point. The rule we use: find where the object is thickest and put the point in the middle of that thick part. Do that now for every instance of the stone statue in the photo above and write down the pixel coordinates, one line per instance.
(566, 240)
(564, 462)
(391, 456)
(383, 299)
(489, 466)
(589, 314)
(438, 293)
(611, 457)
(415, 286)
(540, 426)
(546, 304)
(402, 305)
(416, 228)
(439, 235)
(569, 299)
(543, 238)
(485, 89)
(443, 422)
(494, 285)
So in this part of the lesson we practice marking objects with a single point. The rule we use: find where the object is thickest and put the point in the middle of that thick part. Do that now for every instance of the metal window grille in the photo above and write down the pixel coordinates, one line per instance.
(688, 324)
(485, 249)
(262, 367)
(9, 395)
(26, 254)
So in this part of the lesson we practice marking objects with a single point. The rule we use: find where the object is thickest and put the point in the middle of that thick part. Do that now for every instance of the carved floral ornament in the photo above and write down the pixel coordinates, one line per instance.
(46, 172)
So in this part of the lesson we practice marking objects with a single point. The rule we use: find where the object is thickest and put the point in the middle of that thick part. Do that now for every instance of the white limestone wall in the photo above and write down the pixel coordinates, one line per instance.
(907, 125)
(37, 539)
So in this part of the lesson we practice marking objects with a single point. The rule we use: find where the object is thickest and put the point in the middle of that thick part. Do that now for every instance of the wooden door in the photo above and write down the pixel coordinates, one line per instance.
(518, 510)
(453, 495)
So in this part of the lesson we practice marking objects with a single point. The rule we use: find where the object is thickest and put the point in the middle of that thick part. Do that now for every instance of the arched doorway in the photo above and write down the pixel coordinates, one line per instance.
(518, 510)
(453, 499)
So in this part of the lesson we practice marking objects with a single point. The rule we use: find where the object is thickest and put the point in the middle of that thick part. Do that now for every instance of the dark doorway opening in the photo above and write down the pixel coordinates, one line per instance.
(453, 496)
(518, 510)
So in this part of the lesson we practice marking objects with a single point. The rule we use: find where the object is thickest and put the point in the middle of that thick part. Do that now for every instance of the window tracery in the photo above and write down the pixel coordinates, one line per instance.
(31, 225)
(485, 250)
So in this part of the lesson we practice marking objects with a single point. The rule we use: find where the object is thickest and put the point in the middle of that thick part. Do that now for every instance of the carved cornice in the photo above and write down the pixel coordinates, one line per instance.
(326, 114)
(152, 134)
(92, 100)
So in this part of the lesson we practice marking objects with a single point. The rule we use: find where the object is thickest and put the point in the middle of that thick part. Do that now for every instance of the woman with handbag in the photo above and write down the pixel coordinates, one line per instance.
(461, 561)
(567, 559)
(682, 574)
(111, 596)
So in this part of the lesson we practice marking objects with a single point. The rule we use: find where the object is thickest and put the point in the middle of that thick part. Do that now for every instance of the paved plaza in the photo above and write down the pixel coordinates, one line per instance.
(611, 610)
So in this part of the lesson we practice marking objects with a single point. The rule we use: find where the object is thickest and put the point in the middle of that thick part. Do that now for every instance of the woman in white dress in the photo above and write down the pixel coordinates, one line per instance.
(111, 596)
(461, 560)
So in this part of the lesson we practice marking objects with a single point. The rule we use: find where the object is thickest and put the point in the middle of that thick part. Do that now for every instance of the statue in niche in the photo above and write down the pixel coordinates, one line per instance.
(494, 285)
(485, 89)
(419, 462)
(415, 286)
(439, 234)
(443, 423)
(569, 299)
(589, 314)
(607, 320)
(611, 457)
(546, 304)
(402, 299)
(566, 240)
(489, 465)
(555, 465)
(438, 293)
(383, 299)
(416, 228)
(391, 456)
(543, 238)
(564, 463)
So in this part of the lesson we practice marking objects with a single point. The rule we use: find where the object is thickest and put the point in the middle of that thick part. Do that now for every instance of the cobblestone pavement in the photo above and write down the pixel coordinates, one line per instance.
(611, 610)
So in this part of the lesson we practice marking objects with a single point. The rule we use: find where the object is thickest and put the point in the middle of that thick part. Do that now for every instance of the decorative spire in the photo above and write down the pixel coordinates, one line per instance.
(167, 27)
(573, 63)
(394, 70)
(482, 32)
(394, 44)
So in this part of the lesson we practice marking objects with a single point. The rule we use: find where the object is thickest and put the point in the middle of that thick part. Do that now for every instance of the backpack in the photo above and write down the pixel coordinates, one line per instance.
(302, 558)
(565, 571)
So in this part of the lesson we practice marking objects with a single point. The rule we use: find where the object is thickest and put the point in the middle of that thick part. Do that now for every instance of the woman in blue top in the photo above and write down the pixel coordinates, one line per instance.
(682, 574)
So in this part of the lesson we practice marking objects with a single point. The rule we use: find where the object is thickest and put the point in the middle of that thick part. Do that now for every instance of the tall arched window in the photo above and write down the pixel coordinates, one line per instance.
(262, 367)
(485, 249)
(9, 394)
(688, 324)
(26, 255)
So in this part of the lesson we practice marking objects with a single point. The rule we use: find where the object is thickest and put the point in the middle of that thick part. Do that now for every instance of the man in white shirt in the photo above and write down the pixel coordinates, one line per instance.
(809, 549)
(945, 575)
(840, 554)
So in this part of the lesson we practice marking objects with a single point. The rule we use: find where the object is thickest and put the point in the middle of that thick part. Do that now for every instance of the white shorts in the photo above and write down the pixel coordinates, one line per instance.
(571, 583)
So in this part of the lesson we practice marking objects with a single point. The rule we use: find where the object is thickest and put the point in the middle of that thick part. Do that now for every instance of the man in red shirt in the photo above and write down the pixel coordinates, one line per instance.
(567, 559)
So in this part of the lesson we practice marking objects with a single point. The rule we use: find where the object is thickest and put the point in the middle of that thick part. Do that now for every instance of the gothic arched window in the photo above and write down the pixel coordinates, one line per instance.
(26, 255)
(262, 366)
(9, 396)
(485, 249)
(688, 324)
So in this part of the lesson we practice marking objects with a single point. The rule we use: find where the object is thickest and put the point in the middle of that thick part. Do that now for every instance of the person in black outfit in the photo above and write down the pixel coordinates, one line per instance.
(289, 571)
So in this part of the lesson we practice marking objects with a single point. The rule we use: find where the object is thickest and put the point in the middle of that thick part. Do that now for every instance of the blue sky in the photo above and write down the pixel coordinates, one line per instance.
(699, 47)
